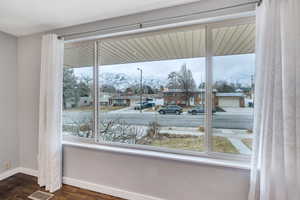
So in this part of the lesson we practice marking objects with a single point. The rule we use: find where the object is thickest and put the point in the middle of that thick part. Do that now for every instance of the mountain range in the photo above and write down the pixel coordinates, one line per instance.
(122, 81)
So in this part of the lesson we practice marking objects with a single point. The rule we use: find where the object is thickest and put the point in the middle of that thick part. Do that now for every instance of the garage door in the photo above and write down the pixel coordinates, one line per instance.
(229, 102)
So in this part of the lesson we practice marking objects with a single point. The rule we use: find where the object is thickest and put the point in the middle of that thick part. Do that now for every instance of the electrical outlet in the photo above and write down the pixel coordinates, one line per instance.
(7, 165)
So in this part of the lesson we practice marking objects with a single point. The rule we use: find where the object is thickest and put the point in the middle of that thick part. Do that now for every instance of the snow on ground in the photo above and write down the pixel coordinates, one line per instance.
(247, 110)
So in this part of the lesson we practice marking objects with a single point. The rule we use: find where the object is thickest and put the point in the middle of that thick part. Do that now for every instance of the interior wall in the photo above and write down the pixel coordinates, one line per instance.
(155, 177)
(165, 179)
(29, 61)
(9, 142)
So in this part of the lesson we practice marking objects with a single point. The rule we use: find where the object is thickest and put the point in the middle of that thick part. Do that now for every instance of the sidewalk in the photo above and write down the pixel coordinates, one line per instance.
(237, 111)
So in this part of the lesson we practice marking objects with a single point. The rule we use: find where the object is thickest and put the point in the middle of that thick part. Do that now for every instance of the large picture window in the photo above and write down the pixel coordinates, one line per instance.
(188, 89)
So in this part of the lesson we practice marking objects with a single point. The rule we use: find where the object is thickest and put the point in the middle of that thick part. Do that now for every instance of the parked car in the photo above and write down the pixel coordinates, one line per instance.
(120, 104)
(198, 110)
(172, 109)
(144, 105)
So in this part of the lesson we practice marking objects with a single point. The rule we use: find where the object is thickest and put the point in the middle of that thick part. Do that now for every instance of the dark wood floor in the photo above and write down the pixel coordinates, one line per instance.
(20, 186)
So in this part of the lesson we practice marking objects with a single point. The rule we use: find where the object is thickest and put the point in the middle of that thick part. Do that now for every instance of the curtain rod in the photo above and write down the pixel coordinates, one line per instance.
(142, 24)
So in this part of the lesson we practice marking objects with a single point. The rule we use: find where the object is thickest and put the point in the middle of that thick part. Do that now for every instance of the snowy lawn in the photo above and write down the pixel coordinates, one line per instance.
(220, 144)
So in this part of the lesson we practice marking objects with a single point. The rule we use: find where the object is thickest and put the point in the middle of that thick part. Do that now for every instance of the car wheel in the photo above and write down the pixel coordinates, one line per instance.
(177, 112)
(194, 112)
(161, 112)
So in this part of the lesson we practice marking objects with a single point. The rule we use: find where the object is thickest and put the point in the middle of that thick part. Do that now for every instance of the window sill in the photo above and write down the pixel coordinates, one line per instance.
(162, 155)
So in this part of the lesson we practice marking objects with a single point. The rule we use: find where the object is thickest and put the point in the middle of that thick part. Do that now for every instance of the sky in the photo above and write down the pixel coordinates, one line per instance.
(233, 68)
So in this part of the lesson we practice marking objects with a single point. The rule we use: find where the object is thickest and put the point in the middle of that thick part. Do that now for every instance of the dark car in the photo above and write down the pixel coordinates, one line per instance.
(144, 105)
(170, 110)
(198, 110)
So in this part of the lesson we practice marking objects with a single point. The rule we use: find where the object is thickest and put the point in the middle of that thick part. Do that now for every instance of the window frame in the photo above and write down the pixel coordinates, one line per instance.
(208, 152)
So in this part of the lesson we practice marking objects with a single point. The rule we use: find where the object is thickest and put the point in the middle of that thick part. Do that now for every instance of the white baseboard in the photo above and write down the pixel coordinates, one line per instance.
(8, 173)
(28, 171)
(107, 190)
(85, 185)
(17, 170)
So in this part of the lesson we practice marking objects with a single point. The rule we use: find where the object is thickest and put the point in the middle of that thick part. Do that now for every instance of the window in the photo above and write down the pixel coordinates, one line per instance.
(233, 82)
(78, 103)
(183, 90)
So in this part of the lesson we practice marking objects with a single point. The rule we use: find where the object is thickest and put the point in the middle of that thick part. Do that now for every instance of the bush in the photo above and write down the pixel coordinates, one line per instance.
(201, 129)
(153, 130)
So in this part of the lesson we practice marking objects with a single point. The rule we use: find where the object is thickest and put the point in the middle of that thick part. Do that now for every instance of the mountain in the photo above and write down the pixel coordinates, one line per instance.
(122, 81)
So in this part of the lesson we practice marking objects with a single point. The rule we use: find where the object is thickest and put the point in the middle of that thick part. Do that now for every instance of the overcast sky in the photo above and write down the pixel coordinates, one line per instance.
(237, 68)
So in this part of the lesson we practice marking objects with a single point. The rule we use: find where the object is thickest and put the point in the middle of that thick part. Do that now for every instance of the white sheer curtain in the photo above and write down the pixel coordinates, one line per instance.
(276, 160)
(50, 148)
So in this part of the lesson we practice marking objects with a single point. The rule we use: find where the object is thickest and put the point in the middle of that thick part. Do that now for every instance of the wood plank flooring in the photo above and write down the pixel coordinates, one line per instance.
(20, 186)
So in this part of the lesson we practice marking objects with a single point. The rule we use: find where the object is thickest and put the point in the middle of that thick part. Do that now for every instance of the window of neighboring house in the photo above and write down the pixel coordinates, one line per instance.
(188, 89)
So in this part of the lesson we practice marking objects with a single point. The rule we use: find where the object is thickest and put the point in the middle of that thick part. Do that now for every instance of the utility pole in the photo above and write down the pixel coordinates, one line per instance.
(141, 89)
(202, 86)
(252, 87)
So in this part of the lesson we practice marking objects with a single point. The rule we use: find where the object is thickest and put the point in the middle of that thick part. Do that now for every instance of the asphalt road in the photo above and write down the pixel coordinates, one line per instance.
(230, 121)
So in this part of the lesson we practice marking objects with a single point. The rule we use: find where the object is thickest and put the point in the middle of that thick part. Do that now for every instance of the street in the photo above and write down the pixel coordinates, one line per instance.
(227, 121)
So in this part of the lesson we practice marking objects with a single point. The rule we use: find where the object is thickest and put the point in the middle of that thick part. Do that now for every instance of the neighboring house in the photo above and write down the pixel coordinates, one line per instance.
(70, 103)
(234, 100)
(132, 100)
(85, 101)
(118, 100)
(104, 98)
(179, 97)
(159, 101)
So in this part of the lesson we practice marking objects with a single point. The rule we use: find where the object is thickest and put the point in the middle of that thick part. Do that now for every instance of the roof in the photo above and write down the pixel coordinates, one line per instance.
(230, 94)
(168, 44)
(182, 90)
(136, 97)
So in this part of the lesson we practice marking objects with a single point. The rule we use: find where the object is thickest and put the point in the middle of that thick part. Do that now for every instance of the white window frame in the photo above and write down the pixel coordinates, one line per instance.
(208, 153)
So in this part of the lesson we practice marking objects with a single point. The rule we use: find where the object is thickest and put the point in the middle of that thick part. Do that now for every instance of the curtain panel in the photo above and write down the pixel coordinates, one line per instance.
(275, 171)
(50, 128)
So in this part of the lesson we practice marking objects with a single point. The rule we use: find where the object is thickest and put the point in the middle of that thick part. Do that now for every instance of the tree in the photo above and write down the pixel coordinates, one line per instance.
(70, 92)
(202, 85)
(182, 80)
(173, 81)
(108, 88)
(135, 89)
(84, 86)
(223, 86)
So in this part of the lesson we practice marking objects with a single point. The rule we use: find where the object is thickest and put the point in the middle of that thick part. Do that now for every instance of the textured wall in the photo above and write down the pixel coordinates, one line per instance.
(9, 141)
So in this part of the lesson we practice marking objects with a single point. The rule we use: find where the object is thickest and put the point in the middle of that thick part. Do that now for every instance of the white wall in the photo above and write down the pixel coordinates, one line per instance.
(29, 53)
(9, 142)
(156, 177)
(161, 178)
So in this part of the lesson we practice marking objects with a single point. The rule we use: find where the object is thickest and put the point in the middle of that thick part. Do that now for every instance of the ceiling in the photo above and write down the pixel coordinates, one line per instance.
(175, 43)
(23, 17)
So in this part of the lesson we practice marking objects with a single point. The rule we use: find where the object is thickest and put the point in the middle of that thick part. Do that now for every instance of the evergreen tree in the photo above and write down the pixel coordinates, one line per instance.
(70, 92)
